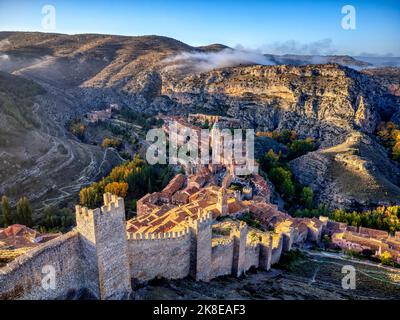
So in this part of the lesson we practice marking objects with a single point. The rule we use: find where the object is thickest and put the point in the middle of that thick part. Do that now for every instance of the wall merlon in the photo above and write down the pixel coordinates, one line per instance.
(138, 236)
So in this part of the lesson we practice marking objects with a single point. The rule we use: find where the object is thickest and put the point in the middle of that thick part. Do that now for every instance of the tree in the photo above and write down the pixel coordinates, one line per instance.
(307, 197)
(77, 128)
(24, 212)
(111, 143)
(6, 210)
(300, 147)
(387, 259)
(269, 160)
(282, 178)
(118, 188)
(90, 197)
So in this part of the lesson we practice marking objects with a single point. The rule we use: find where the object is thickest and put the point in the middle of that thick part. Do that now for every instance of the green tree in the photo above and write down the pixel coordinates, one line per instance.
(282, 178)
(307, 197)
(300, 147)
(269, 160)
(24, 212)
(6, 210)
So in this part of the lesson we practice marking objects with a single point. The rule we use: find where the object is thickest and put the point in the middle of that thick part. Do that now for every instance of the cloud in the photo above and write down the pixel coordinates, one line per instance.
(320, 47)
(205, 61)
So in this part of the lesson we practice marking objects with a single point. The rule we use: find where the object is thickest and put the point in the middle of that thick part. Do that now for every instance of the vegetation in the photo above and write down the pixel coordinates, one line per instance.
(387, 259)
(6, 211)
(381, 218)
(291, 259)
(250, 220)
(320, 210)
(281, 176)
(24, 212)
(56, 220)
(118, 188)
(389, 134)
(131, 180)
(77, 128)
(111, 143)
(142, 119)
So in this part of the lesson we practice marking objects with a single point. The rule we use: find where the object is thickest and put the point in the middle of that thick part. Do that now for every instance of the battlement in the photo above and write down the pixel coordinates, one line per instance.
(204, 219)
(137, 236)
(113, 207)
(237, 231)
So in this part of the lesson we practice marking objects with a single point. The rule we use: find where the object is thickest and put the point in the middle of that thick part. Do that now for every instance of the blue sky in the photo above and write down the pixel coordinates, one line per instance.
(273, 26)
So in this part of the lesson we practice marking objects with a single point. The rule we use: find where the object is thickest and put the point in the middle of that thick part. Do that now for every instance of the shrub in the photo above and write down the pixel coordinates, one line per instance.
(111, 143)
(77, 128)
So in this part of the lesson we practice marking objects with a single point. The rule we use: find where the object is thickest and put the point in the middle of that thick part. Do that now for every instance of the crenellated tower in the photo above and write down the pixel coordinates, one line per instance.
(239, 236)
(201, 246)
(104, 247)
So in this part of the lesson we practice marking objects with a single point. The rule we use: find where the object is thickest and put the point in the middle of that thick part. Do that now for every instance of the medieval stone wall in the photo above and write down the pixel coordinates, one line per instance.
(154, 255)
(252, 253)
(222, 258)
(22, 278)
(277, 249)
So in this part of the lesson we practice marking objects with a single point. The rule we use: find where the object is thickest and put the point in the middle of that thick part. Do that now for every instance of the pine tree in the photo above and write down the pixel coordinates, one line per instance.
(6, 210)
(24, 212)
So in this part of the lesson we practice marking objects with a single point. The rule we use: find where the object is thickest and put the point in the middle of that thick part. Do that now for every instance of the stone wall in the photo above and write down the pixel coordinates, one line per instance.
(201, 251)
(252, 253)
(277, 249)
(222, 257)
(22, 278)
(239, 236)
(153, 255)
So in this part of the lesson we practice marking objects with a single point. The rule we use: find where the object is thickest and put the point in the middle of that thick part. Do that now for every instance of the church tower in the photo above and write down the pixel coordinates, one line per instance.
(222, 202)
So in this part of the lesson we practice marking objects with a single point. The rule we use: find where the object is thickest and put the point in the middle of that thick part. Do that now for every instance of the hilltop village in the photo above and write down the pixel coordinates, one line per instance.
(205, 223)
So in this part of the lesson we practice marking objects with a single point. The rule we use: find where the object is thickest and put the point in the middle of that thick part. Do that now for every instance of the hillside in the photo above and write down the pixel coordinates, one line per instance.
(36, 153)
(152, 74)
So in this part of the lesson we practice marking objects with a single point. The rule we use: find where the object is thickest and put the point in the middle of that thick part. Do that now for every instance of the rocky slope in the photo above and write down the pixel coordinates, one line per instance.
(36, 151)
(151, 74)
(356, 173)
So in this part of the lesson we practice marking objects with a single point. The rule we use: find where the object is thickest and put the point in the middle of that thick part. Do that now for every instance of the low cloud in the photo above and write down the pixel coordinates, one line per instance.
(320, 47)
(205, 61)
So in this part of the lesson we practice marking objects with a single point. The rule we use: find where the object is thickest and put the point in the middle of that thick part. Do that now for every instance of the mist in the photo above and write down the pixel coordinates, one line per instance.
(205, 61)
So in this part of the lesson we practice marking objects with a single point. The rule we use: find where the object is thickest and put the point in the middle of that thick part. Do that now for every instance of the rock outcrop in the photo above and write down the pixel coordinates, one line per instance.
(356, 173)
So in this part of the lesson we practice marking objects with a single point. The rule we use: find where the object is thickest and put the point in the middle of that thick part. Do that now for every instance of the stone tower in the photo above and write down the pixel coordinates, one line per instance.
(239, 236)
(222, 202)
(104, 247)
(200, 264)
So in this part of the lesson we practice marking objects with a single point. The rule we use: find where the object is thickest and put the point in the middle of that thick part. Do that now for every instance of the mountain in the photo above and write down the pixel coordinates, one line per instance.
(339, 106)
(292, 59)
